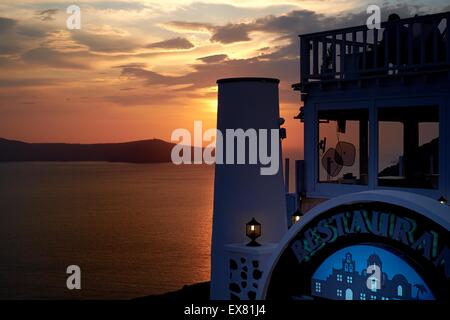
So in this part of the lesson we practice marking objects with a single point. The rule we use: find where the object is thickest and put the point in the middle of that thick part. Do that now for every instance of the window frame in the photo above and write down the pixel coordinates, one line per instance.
(316, 189)
(405, 103)
(333, 189)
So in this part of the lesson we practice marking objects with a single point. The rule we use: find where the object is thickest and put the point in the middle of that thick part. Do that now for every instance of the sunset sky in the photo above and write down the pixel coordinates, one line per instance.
(140, 69)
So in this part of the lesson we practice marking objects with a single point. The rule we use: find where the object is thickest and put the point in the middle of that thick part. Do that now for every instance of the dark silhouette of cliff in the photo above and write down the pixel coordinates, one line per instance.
(194, 292)
(145, 151)
(421, 159)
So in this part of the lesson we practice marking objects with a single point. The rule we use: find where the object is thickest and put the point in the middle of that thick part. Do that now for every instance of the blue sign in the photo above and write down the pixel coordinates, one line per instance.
(364, 272)
(364, 251)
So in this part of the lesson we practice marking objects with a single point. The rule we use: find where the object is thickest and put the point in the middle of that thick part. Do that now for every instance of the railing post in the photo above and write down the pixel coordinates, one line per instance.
(324, 55)
(304, 59)
(386, 49)
(315, 57)
(448, 38)
(422, 46)
(410, 43)
(399, 45)
(342, 52)
(375, 48)
(354, 51)
(435, 41)
(364, 66)
(333, 52)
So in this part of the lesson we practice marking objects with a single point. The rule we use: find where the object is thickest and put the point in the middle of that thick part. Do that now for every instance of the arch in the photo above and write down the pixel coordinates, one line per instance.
(348, 294)
(422, 205)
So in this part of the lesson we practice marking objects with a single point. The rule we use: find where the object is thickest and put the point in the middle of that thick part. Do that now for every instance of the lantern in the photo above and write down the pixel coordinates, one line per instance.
(442, 200)
(296, 217)
(253, 231)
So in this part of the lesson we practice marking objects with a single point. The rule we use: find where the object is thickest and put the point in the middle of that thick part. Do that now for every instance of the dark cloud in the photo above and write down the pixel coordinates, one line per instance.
(32, 31)
(13, 83)
(132, 65)
(9, 48)
(291, 24)
(105, 42)
(15, 36)
(225, 34)
(228, 33)
(231, 33)
(6, 24)
(150, 77)
(205, 75)
(56, 59)
(8, 43)
(214, 58)
(190, 26)
(46, 15)
(174, 43)
(151, 99)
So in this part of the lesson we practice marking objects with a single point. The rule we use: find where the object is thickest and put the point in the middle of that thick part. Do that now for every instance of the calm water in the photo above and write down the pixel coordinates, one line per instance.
(134, 230)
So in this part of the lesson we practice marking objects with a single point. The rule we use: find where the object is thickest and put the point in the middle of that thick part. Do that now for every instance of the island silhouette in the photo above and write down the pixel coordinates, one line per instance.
(143, 151)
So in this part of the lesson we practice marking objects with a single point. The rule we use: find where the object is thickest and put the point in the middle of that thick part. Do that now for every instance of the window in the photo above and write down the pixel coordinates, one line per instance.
(400, 291)
(384, 298)
(339, 277)
(348, 294)
(339, 292)
(373, 297)
(349, 279)
(373, 284)
(343, 146)
(362, 296)
(318, 286)
(408, 147)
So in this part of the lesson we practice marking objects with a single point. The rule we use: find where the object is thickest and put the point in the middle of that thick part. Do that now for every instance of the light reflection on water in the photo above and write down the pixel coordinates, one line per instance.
(134, 229)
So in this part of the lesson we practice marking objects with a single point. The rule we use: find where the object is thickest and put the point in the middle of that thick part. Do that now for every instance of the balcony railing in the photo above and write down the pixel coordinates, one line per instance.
(408, 45)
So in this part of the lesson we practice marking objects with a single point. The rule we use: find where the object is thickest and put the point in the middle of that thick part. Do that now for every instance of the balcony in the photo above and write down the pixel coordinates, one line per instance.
(419, 45)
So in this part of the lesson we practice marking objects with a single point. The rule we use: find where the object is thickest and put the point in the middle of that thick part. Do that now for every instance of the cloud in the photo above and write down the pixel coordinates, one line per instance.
(6, 24)
(278, 61)
(150, 77)
(132, 65)
(222, 13)
(17, 36)
(189, 26)
(46, 15)
(103, 42)
(174, 43)
(214, 58)
(287, 25)
(231, 33)
(119, 5)
(56, 59)
(205, 75)
(26, 82)
(9, 43)
(225, 34)
(32, 31)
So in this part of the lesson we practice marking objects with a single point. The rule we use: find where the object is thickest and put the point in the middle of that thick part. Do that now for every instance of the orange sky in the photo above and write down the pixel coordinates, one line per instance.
(140, 69)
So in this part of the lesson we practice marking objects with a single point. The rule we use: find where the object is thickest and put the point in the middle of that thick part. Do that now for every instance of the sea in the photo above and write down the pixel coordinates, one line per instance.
(133, 229)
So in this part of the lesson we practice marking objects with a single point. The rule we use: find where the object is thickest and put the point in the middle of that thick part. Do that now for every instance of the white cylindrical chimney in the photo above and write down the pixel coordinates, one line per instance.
(240, 190)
